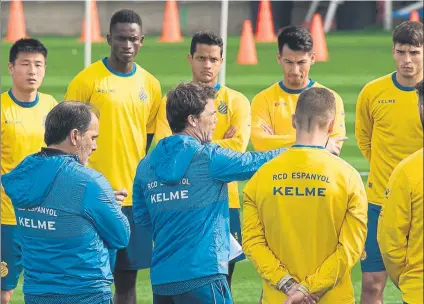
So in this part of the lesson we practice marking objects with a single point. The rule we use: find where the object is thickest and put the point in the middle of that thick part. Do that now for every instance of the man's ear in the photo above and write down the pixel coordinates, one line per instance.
(191, 120)
(331, 126)
(74, 137)
(293, 121)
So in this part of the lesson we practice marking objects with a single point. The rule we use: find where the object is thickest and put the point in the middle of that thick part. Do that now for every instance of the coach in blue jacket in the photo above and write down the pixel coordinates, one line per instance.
(180, 190)
(67, 214)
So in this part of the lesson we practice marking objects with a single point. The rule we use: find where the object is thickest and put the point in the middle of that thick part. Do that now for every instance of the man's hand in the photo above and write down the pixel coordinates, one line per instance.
(267, 129)
(230, 132)
(299, 297)
(120, 195)
(333, 145)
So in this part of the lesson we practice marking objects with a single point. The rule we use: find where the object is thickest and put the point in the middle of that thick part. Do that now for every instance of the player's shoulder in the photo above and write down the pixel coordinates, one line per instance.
(320, 85)
(47, 98)
(379, 83)
(269, 91)
(149, 77)
(412, 162)
(5, 97)
(91, 73)
(233, 94)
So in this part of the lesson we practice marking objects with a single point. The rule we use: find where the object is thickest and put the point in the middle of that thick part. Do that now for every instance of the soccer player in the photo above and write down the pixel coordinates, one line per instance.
(233, 112)
(272, 108)
(23, 111)
(400, 227)
(181, 191)
(128, 98)
(305, 213)
(67, 214)
(387, 130)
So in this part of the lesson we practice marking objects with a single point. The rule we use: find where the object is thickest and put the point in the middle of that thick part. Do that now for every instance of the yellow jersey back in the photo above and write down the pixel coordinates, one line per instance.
(305, 216)
(387, 129)
(233, 109)
(22, 134)
(274, 107)
(128, 105)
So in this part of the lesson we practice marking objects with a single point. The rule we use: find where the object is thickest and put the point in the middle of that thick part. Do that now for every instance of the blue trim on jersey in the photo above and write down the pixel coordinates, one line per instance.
(290, 91)
(308, 146)
(22, 103)
(217, 86)
(104, 60)
(399, 86)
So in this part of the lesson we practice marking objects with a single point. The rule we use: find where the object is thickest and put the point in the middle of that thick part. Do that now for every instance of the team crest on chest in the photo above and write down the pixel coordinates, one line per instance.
(222, 108)
(142, 94)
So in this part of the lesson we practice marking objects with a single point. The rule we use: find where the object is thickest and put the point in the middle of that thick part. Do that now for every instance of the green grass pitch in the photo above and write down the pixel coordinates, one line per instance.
(355, 59)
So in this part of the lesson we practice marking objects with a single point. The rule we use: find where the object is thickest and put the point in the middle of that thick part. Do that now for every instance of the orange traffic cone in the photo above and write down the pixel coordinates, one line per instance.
(318, 37)
(247, 48)
(265, 24)
(16, 24)
(171, 31)
(415, 16)
(96, 36)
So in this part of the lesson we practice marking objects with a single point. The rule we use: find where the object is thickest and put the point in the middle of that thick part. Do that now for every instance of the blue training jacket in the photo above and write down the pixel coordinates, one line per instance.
(67, 219)
(180, 190)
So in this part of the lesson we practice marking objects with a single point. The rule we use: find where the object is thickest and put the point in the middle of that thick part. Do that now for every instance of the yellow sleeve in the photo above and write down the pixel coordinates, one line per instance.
(394, 224)
(340, 123)
(79, 89)
(261, 140)
(255, 246)
(162, 127)
(154, 107)
(363, 125)
(351, 242)
(241, 120)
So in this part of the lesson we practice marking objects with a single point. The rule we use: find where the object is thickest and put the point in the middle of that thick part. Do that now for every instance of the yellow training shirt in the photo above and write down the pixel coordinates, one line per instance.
(233, 109)
(22, 134)
(305, 215)
(387, 129)
(128, 105)
(274, 107)
(400, 228)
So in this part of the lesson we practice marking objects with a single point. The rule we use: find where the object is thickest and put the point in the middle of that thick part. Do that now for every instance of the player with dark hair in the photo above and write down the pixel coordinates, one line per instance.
(180, 190)
(23, 111)
(387, 130)
(233, 112)
(128, 98)
(272, 108)
(305, 213)
(400, 227)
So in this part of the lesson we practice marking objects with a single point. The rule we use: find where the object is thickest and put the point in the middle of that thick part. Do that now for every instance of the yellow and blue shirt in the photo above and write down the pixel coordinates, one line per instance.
(22, 134)
(387, 129)
(128, 105)
(274, 107)
(305, 216)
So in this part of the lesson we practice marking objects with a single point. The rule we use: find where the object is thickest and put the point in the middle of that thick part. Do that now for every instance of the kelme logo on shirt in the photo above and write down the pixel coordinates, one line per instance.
(143, 94)
(4, 270)
(222, 108)
(386, 194)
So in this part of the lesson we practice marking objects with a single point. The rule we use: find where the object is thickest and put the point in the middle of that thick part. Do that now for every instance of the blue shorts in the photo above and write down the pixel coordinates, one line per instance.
(371, 260)
(235, 229)
(138, 254)
(217, 292)
(11, 264)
